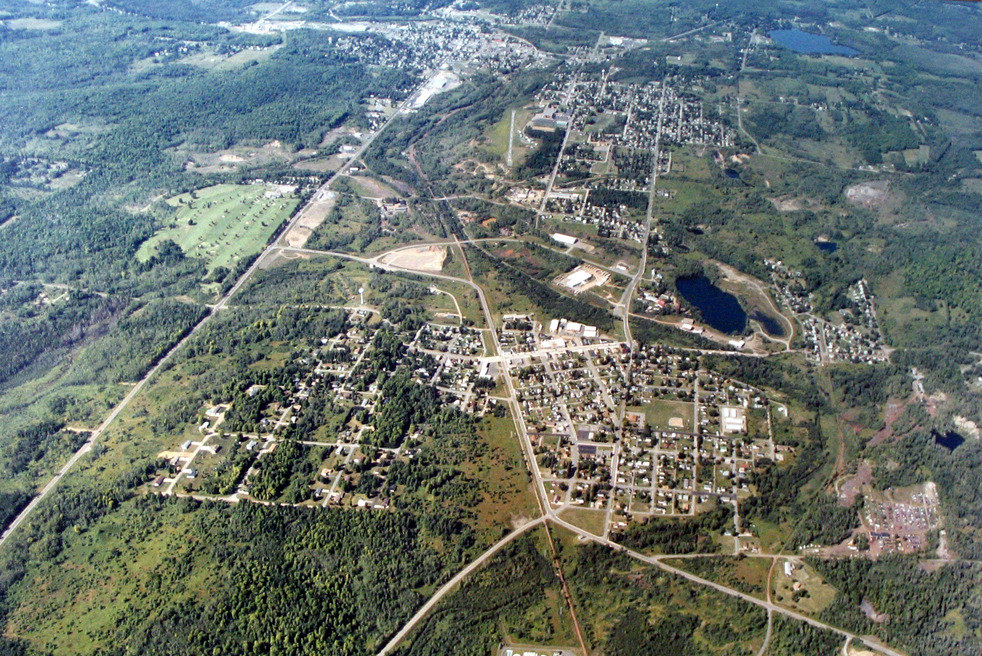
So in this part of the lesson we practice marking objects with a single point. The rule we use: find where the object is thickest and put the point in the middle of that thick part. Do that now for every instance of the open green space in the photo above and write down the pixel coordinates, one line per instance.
(586, 518)
(224, 223)
(662, 414)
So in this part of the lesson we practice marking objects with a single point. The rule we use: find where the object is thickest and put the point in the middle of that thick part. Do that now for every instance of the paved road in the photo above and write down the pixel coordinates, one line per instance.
(87, 446)
(658, 562)
(140, 384)
(559, 157)
(624, 305)
(452, 583)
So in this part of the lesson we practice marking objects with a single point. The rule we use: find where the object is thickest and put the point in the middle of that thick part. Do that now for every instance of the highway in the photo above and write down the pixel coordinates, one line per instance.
(658, 561)
(548, 515)
(452, 583)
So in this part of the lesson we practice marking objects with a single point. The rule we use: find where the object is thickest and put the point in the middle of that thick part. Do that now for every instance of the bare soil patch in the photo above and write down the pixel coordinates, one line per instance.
(891, 412)
(419, 258)
(310, 218)
(372, 188)
(869, 194)
(853, 486)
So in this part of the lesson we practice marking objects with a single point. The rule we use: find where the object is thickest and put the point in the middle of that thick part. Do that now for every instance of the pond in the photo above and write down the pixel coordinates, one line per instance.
(731, 173)
(771, 325)
(719, 309)
(949, 439)
(827, 246)
(808, 43)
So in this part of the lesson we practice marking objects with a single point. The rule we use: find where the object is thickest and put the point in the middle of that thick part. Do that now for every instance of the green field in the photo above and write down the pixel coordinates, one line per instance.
(223, 223)
(660, 412)
(586, 518)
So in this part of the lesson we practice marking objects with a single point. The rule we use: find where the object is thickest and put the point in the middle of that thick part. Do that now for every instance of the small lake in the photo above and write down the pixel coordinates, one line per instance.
(827, 246)
(731, 173)
(808, 43)
(771, 325)
(949, 440)
(719, 309)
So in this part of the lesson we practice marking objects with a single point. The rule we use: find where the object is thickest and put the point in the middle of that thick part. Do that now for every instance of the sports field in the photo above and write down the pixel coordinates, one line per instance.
(223, 223)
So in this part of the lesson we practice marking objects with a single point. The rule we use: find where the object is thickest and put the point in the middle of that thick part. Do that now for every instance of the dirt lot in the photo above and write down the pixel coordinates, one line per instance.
(853, 486)
(312, 216)
(419, 258)
(372, 188)
(868, 194)
(231, 159)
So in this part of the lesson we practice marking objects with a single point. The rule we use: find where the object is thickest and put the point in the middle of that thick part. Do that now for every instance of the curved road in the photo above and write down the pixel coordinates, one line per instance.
(657, 561)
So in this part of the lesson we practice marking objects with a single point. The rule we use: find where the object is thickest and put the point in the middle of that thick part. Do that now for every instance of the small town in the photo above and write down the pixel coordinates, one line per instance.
(625, 437)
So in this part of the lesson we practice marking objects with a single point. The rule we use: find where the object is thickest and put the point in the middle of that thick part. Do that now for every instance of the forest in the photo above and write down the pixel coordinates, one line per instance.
(935, 611)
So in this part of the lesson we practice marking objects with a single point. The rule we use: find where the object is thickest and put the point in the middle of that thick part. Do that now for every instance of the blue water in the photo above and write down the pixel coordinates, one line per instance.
(949, 440)
(770, 325)
(808, 43)
(730, 173)
(719, 309)
(827, 246)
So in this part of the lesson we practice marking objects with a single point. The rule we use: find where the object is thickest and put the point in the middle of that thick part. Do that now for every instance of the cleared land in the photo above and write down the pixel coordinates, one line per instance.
(313, 215)
(224, 223)
(667, 415)
(419, 258)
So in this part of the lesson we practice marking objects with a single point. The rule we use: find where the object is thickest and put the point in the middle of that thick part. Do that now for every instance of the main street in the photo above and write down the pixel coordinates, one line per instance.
(624, 306)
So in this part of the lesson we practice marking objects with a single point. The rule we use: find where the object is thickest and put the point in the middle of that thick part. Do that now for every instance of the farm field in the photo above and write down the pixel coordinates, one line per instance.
(224, 223)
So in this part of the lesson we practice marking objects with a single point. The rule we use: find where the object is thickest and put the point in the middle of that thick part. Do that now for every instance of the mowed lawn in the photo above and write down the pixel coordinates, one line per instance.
(660, 413)
(224, 223)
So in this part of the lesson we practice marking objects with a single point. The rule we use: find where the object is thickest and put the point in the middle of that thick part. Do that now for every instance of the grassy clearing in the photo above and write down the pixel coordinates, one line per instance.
(804, 590)
(586, 518)
(508, 496)
(497, 135)
(748, 575)
(369, 187)
(660, 412)
(223, 223)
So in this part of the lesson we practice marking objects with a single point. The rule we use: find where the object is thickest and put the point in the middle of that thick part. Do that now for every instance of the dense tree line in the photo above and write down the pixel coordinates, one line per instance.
(679, 536)
(467, 622)
(777, 487)
(403, 404)
(288, 462)
(11, 503)
(347, 580)
(825, 522)
(615, 198)
(868, 386)
(542, 159)
(635, 635)
(774, 372)
(793, 638)
(37, 326)
(919, 604)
